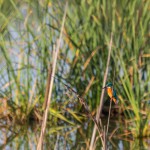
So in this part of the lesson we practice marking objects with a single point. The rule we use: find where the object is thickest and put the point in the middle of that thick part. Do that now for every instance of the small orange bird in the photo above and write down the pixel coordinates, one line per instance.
(111, 92)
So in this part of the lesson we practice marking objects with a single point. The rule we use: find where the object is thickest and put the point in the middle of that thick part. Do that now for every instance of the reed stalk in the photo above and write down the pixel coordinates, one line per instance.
(102, 94)
(45, 115)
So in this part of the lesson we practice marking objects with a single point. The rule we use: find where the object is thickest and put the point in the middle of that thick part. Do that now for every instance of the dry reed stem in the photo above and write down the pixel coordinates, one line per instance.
(83, 102)
(106, 134)
(39, 146)
(105, 145)
(108, 117)
(102, 94)
(47, 87)
(88, 87)
(113, 132)
(89, 58)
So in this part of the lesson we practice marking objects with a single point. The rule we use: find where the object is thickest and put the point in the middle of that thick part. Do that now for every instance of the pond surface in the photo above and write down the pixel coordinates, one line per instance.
(24, 136)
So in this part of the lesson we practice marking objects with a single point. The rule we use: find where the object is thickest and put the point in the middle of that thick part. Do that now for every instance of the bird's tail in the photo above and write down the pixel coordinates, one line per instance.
(115, 100)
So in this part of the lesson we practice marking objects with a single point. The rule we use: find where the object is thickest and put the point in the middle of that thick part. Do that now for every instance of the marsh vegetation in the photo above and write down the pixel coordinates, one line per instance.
(102, 41)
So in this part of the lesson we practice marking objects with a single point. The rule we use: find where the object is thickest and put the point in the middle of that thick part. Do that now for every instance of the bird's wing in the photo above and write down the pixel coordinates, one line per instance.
(115, 94)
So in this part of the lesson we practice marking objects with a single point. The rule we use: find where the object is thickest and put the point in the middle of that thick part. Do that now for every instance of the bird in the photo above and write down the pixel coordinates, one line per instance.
(111, 92)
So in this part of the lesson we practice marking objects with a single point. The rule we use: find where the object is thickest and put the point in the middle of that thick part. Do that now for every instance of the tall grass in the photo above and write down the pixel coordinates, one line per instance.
(28, 33)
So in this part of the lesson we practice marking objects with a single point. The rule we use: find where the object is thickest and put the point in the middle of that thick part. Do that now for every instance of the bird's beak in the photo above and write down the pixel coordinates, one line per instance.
(104, 87)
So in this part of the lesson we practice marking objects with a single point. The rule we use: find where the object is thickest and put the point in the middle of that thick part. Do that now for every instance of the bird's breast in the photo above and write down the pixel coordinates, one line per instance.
(110, 93)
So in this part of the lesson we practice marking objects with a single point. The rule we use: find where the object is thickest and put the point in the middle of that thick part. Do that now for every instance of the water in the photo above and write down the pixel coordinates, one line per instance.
(25, 136)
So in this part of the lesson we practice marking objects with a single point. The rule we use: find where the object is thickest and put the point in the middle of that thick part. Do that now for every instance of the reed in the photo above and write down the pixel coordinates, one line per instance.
(52, 73)
(102, 96)
(29, 31)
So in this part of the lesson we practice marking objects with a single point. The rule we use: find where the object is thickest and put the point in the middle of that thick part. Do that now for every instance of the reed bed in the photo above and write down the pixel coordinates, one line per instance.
(28, 35)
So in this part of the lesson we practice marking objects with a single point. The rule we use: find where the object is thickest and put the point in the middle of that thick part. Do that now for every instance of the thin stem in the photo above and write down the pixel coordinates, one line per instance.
(108, 117)
(39, 146)
(105, 145)
(102, 94)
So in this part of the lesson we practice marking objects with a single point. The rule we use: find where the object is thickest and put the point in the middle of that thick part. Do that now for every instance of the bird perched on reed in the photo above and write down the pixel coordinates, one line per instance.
(111, 92)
